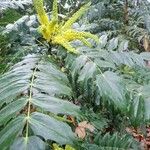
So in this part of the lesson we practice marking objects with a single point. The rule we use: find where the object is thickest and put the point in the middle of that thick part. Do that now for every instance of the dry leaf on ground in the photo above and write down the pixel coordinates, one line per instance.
(81, 129)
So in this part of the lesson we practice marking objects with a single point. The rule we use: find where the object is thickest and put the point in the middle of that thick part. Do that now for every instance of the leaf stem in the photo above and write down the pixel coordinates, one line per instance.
(29, 103)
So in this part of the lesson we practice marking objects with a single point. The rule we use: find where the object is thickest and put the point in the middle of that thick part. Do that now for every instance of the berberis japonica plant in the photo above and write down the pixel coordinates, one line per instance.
(34, 110)
(65, 90)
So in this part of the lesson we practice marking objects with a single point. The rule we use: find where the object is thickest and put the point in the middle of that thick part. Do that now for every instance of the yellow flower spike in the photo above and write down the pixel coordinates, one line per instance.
(71, 35)
(55, 11)
(85, 42)
(42, 29)
(62, 33)
(65, 44)
(76, 16)
(51, 30)
(42, 16)
(89, 35)
(38, 4)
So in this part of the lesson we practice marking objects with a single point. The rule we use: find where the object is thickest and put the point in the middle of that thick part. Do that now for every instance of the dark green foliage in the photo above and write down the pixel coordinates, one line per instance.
(112, 142)
(7, 18)
(33, 87)
(107, 85)
(15, 4)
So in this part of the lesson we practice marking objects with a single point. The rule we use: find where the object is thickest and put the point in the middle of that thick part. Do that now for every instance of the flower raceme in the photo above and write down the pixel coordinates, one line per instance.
(61, 33)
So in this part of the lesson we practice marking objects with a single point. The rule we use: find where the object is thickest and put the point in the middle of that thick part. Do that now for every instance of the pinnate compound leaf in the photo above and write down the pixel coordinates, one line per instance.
(36, 85)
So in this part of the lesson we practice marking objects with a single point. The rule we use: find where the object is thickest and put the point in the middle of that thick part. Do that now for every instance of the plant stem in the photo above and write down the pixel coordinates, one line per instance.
(126, 13)
(29, 103)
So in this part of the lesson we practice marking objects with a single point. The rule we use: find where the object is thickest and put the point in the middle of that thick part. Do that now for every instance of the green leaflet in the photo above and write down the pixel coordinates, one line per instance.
(11, 131)
(110, 85)
(32, 143)
(55, 105)
(50, 128)
(11, 110)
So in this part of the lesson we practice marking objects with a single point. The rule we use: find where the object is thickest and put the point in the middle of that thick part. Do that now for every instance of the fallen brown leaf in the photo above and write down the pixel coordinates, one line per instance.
(81, 129)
